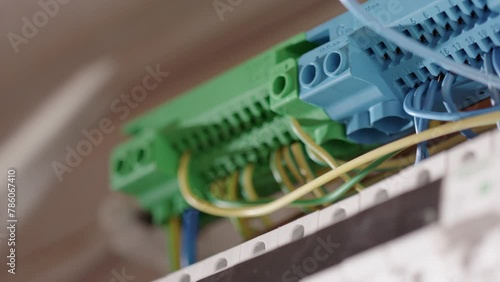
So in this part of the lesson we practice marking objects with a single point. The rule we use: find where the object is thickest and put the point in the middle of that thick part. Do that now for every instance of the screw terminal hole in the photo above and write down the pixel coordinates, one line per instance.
(339, 214)
(258, 248)
(279, 85)
(308, 74)
(332, 62)
(141, 155)
(381, 196)
(221, 264)
(120, 165)
(297, 232)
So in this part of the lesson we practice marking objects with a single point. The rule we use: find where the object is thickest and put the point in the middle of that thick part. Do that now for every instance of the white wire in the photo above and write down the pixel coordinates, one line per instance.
(420, 50)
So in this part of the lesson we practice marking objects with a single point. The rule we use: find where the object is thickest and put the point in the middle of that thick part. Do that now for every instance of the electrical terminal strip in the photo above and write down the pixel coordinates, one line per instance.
(341, 82)
(238, 118)
(353, 63)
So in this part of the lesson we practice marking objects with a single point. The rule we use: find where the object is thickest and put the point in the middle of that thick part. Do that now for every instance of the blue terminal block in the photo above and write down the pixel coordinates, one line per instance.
(360, 78)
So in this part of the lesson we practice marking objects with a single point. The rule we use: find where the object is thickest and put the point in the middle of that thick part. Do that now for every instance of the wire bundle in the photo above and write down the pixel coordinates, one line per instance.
(266, 208)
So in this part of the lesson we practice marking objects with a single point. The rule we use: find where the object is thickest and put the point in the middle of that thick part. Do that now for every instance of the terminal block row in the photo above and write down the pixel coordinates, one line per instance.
(353, 63)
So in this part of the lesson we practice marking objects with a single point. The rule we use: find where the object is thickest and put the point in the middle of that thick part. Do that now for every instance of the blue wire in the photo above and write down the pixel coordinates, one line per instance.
(449, 104)
(417, 99)
(495, 62)
(409, 109)
(492, 66)
(190, 222)
(423, 124)
(422, 114)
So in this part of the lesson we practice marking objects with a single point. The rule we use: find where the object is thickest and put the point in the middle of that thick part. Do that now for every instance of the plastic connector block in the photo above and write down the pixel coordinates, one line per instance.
(237, 118)
(140, 168)
(352, 63)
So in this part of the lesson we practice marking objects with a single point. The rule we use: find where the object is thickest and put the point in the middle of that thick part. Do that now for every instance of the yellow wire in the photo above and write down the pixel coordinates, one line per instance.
(389, 164)
(175, 242)
(262, 209)
(282, 176)
(301, 161)
(232, 187)
(322, 153)
(248, 182)
(305, 169)
(241, 224)
(405, 161)
(216, 188)
(252, 193)
(291, 165)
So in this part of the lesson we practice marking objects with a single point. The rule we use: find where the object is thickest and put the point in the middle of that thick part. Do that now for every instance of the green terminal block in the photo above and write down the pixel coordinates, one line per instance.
(237, 118)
